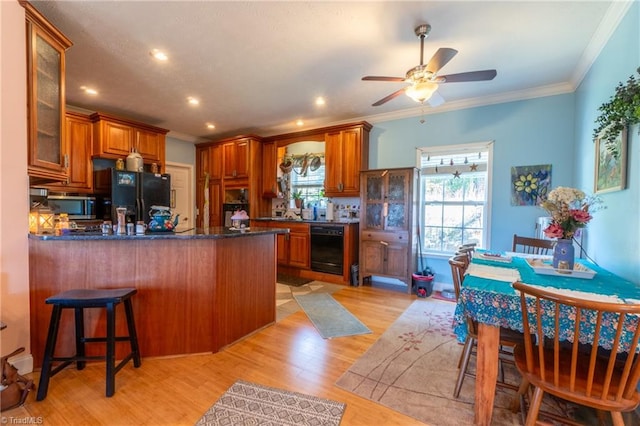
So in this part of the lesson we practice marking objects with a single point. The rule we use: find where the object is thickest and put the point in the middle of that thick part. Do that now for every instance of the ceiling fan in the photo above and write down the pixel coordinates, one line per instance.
(423, 79)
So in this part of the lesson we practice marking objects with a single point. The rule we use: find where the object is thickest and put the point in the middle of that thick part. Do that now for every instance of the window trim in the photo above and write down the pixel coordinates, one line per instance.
(473, 147)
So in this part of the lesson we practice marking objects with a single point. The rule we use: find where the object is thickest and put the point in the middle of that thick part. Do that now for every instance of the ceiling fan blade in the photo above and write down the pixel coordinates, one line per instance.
(467, 76)
(379, 78)
(391, 96)
(440, 59)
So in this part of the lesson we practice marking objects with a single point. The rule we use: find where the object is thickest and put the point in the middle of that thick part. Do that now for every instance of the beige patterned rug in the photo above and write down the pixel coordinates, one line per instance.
(247, 403)
(412, 368)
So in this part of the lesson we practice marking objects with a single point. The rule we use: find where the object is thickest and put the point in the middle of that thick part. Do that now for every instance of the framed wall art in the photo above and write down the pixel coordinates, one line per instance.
(529, 184)
(611, 164)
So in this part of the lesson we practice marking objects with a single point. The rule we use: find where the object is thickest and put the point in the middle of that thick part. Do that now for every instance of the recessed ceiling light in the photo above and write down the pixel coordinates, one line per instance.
(320, 101)
(299, 123)
(193, 101)
(159, 54)
(211, 126)
(89, 90)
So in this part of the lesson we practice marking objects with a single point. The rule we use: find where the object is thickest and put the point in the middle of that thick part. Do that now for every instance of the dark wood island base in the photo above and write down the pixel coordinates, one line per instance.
(197, 292)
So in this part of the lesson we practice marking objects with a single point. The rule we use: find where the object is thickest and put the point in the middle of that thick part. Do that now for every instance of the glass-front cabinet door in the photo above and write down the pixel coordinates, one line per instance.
(397, 200)
(45, 81)
(374, 201)
(386, 200)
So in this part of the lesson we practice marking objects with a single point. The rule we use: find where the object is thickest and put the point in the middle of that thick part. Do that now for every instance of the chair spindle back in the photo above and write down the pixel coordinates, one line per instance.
(579, 365)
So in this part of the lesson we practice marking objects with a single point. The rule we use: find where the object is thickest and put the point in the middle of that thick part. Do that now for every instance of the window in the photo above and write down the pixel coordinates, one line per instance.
(310, 184)
(455, 185)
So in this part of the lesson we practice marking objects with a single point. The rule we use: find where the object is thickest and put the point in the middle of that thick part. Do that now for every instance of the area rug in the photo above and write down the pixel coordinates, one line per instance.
(291, 280)
(330, 318)
(412, 368)
(439, 296)
(247, 403)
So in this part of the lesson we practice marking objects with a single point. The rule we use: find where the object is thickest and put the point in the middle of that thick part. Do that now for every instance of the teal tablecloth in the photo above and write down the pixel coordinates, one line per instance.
(497, 303)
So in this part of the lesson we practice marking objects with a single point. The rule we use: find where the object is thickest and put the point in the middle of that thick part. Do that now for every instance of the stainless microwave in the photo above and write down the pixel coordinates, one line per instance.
(77, 207)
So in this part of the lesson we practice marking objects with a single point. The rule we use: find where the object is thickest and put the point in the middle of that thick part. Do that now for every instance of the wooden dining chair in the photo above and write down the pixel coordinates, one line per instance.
(579, 370)
(508, 338)
(532, 245)
(467, 249)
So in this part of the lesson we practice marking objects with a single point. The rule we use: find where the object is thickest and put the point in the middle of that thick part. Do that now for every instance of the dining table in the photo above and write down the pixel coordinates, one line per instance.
(488, 297)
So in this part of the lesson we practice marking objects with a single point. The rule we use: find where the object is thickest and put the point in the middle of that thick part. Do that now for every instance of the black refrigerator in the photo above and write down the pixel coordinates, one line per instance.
(136, 191)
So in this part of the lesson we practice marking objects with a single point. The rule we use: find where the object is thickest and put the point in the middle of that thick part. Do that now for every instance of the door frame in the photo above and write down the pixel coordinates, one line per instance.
(191, 185)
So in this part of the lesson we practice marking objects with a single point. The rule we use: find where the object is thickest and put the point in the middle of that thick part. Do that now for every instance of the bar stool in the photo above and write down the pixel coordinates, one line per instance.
(78, 300)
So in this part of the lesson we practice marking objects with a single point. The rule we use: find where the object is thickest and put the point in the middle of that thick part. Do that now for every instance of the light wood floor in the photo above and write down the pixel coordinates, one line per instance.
(177, 391)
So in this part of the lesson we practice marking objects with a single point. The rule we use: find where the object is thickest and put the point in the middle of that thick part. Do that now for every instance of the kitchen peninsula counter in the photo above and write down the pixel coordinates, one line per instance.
(190, 234)
(196, 292)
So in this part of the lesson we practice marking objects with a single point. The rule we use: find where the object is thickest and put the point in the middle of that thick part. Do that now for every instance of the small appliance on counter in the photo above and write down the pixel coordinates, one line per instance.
(240, 220)
(229, 209)
(75, 206)
(162, 220)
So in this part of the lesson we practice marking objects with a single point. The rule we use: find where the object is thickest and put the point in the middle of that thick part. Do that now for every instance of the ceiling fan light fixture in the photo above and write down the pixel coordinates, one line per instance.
(421, 90)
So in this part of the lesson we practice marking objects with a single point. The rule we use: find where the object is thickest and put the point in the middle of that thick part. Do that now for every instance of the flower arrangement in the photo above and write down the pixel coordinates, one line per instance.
(570, 210)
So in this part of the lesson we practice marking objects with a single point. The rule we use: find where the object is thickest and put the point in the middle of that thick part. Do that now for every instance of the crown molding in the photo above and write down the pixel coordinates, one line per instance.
(616, 12)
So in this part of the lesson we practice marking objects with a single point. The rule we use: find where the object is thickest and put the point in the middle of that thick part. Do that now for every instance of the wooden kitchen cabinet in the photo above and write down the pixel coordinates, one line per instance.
(294, 251)
(209, 161)
(299, 248)
(235, 159)
(269, 170)
(293, 248)
(242, 154)
(388, 224)
(46, 45)
(78, 143)
(346, 154)
(115, 137)
(150, 144)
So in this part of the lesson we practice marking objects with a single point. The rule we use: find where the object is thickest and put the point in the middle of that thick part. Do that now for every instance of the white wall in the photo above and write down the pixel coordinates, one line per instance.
(14, 186)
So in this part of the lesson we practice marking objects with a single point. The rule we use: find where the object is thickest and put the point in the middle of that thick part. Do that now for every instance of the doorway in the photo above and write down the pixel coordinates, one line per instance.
(182, 200)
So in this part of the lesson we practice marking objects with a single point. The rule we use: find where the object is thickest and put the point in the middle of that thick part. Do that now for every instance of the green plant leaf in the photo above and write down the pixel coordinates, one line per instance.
(622, 110)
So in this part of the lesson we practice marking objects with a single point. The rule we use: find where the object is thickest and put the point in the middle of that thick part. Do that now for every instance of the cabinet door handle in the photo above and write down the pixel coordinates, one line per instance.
(385, 209)
(384, 243)
(66, 161)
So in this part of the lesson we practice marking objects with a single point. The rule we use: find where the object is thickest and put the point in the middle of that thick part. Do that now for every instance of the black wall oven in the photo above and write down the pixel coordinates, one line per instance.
(327, 248)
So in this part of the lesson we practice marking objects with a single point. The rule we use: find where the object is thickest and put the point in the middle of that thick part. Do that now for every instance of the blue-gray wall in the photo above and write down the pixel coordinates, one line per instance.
(178, 151)
(552, 130)
(614, 233)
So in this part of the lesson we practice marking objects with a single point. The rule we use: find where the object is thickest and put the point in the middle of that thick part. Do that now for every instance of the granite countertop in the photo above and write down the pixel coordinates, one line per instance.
(191, 234)
(319, 221)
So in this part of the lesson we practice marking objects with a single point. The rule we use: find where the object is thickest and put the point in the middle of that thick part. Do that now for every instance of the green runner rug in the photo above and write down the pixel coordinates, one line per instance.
(329, 317)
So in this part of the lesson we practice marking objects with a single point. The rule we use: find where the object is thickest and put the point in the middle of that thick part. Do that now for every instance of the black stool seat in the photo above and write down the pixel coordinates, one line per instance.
(85, 298)
(78, 299)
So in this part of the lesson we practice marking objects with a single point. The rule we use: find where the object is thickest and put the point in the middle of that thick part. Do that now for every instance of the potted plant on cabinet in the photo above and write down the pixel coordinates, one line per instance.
(297, 197)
